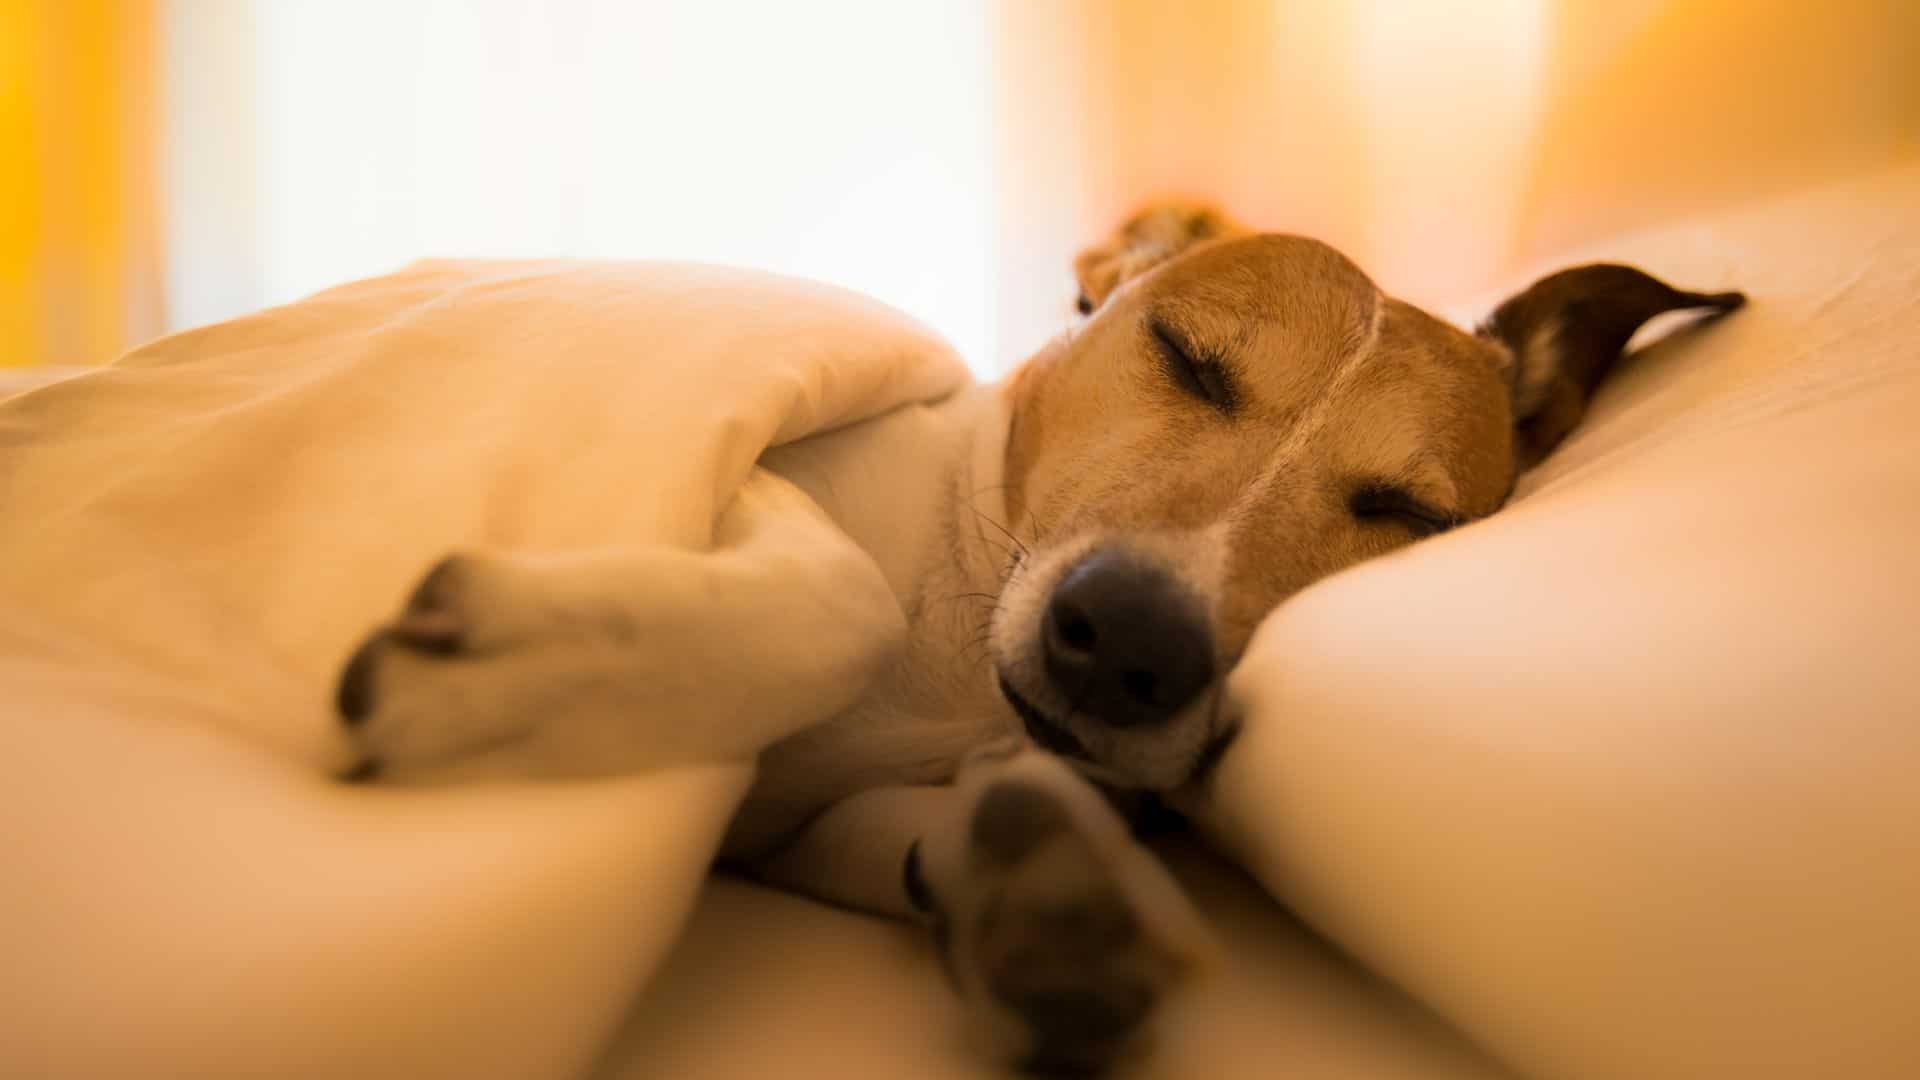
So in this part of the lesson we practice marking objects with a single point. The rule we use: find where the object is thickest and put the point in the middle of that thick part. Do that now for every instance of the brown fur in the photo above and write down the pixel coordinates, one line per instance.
(1337, 388)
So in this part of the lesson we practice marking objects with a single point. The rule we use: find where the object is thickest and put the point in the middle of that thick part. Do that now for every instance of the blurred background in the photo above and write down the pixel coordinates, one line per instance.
(174, 162)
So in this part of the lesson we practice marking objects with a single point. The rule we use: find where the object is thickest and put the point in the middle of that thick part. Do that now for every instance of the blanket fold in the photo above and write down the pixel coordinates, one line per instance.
(191, 542)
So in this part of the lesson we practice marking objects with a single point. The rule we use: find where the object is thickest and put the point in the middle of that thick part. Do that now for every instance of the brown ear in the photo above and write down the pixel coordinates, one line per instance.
(1149, 238)
(1563, 335)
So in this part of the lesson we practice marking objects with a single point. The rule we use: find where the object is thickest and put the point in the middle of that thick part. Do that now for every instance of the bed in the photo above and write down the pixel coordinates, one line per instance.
(1638, 804)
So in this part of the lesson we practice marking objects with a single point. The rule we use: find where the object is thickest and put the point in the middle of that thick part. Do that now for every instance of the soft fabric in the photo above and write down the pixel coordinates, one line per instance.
(195, 538)
(1623, 780)
(20, 380)
(1618, 782)
(766, 984)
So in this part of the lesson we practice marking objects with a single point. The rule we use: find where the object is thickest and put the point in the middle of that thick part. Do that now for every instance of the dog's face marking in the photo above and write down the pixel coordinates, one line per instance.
(1236, 421)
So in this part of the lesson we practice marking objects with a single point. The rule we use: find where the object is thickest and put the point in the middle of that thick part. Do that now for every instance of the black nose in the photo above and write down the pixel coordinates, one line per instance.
(1125, 642)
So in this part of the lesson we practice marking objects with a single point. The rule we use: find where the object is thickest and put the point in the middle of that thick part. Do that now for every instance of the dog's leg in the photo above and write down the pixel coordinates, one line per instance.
(1060, 932)
(854, 854)
(615, 660)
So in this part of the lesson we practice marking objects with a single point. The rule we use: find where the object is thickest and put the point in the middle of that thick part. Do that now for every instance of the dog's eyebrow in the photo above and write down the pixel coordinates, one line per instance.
(1420, 483)
(1423, 476)
(1172, 324)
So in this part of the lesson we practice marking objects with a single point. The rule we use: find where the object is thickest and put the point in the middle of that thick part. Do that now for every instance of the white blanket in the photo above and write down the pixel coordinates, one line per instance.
(1620, 781)
(195, 538)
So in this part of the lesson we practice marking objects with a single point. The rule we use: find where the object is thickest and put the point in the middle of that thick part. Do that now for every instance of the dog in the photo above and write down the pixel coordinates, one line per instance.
(1238, 416)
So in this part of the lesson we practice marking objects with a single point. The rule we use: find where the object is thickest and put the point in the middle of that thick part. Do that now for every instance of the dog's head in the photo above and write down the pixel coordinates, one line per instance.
(1240, 416)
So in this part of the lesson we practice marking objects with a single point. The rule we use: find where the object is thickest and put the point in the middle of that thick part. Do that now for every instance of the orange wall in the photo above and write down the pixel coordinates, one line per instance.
(79, 258)
(1706, 100)
(1441, 144)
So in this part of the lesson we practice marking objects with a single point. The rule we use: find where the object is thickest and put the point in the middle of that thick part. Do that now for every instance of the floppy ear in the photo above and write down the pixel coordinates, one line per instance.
(1562, 336)
(1149, 238)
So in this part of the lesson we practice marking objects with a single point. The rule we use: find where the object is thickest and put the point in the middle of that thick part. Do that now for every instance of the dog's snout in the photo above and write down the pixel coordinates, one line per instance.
(1124, 641)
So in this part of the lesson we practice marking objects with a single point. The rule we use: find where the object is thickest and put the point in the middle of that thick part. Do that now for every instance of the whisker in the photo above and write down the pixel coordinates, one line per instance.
(983, 641)
(990, 487)
(1004, 531)
(1004, 550)
(989, 599)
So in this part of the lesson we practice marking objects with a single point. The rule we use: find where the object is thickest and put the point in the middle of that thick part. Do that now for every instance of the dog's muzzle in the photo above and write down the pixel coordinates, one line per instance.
(1124, 642)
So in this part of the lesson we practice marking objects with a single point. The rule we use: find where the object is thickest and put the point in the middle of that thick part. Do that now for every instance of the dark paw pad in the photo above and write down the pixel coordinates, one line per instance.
(433, 620)
(1078, 1031)
(354, 698)
(1077, 969)
(1013, 818)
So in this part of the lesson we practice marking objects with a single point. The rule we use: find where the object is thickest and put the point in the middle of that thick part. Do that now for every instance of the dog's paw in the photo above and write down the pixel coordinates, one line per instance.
(443, 679)
(1061, 934)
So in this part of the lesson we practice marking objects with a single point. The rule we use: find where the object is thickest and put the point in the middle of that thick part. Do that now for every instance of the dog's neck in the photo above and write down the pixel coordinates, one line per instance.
(921, 490)
(965, 546)
(976, 509)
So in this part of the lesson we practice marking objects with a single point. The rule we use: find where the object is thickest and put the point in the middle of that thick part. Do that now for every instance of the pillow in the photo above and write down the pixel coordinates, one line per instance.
(1622, 780)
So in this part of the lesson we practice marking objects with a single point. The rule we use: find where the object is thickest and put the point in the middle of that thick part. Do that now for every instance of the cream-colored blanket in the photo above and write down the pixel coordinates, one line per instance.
(1620, 782)
(192, 540)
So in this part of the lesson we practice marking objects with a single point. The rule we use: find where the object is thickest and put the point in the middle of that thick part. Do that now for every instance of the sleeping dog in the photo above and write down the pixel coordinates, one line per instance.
(1094, 542)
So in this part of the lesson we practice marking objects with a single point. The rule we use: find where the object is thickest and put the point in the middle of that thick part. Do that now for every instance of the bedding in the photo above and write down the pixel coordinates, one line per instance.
(1621, 780)
(195, 538)
(21, 379)
(1616, 783)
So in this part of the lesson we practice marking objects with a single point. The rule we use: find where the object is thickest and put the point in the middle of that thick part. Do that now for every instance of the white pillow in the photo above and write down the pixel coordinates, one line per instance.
(1623, 779)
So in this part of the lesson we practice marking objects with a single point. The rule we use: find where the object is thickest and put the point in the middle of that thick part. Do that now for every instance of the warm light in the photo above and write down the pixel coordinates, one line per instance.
(947, 156)
(1451, 96)
(847, 142)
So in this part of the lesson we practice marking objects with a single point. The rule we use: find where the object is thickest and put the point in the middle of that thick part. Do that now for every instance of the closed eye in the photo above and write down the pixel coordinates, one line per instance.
(1384, 504)
(1190, 370)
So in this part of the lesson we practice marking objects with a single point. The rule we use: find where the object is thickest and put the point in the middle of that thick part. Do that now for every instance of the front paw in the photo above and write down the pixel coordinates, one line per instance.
(433, 683)
(433, 622)
(1061, 934)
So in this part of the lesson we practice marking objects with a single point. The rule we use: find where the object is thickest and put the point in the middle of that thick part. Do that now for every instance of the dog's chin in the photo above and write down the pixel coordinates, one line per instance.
(1046, 732)
(1053, 735)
